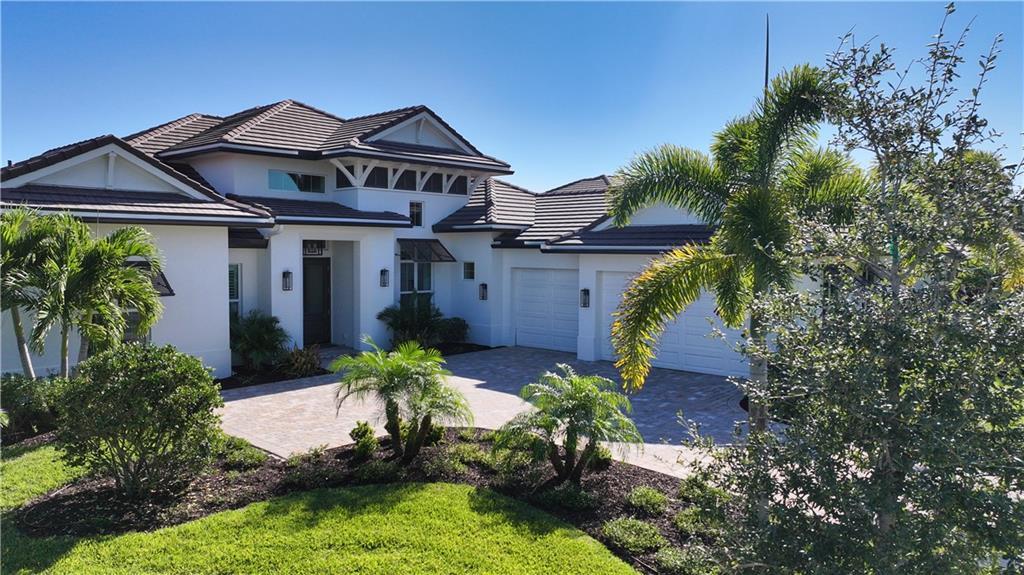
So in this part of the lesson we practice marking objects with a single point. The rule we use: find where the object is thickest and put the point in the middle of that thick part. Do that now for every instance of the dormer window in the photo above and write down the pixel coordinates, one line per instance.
(295, 182)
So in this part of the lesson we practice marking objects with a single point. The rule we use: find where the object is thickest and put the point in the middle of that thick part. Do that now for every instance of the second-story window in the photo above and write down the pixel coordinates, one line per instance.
(406, 181)
(296, 182)
(341, 180)
(416, 214)
(459, 186)
(377, 178)
(435, 183)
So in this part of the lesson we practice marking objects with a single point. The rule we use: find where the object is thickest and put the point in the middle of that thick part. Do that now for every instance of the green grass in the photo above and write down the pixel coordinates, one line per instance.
(373, 529)
(28, 473)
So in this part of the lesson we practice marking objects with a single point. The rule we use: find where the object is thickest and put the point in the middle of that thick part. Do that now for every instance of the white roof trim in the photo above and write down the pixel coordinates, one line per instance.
(286, 219)
(146, 217)
(227, 146)
(485, 165)
(560, 247)
(425, 116)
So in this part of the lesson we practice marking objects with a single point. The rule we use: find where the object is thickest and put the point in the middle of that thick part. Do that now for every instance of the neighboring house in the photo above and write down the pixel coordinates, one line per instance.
(324, 221)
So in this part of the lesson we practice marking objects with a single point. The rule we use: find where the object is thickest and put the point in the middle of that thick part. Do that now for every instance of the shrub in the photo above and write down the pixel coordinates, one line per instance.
(408, 321)
(443, 465)
(239, 455)
(516, 469)
(303, 362)
(259, 339)
(633, 535)
(452, 330)
(141, 414)
(366, 441)
(311, 469)
(698, 490)
(647, 500)
(691, 560)
(467, 434)
(568, 496)
(601, 460)
(29, 403)
(470, 453)
(378, 471)
(698, 522)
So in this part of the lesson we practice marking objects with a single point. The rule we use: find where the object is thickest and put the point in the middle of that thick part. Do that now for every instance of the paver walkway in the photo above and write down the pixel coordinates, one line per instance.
(293, 416)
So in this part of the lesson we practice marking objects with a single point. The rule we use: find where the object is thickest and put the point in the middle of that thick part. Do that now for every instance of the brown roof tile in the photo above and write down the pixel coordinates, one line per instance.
(313, 211)
(494, 204)
(632, 239)
(159, 138)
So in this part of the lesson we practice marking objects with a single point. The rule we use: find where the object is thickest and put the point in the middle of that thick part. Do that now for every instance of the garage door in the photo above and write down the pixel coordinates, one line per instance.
(687, 343)
(545, 308)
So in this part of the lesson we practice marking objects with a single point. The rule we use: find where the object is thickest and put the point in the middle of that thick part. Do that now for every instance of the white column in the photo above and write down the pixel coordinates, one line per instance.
(586, 341)
(285, 254)
(372, 253)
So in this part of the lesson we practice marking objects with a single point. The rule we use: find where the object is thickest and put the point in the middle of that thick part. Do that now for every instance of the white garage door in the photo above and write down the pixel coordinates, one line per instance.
(687, 343)
(545, 308)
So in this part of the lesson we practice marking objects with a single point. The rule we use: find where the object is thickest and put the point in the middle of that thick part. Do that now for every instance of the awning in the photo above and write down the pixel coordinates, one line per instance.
(424, 251)
(160, 283)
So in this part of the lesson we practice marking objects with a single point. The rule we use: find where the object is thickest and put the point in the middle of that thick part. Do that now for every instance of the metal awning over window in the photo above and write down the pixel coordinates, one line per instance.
(423, 251)
(160, 283)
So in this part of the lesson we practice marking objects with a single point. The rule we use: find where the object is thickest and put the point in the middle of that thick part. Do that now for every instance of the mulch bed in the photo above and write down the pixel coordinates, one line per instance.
(91, 506)
(447, 349)
(245, 378)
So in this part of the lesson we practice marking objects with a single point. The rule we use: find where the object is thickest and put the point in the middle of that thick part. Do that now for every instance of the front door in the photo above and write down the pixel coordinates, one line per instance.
(316, 300)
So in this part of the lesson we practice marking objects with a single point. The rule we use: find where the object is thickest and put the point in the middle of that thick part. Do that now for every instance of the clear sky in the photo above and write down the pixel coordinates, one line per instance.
(560, 91)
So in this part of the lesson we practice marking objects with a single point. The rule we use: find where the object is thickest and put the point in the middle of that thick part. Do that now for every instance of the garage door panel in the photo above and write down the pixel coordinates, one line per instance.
(545, 308)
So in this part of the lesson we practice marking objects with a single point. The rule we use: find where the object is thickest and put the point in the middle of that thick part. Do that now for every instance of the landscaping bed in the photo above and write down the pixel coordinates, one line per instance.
(91, 506)
(244, 378)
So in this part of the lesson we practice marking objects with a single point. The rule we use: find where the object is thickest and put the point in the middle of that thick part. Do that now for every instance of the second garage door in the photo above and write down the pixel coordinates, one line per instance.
(545, 308)
(687, 343)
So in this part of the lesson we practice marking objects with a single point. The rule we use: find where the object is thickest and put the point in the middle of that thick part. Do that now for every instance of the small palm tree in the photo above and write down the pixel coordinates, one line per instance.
(19, 238)
(410, 382)
(579, 410)
(762, 176)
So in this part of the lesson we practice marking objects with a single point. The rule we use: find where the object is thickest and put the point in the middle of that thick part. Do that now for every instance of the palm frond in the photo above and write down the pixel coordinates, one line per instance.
(788, 114)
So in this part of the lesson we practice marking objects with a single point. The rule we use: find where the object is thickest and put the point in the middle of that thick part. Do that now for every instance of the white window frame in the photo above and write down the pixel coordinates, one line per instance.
(416, 288)
(473, 276)
(420, 204)
(271, 187)
(238, 300)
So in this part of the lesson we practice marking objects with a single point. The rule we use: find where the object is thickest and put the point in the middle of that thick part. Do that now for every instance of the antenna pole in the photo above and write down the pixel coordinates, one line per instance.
(766, 36)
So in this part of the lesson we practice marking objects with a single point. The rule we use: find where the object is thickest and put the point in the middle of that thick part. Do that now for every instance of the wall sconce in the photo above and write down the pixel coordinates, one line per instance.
(384, 277)
(286, 280)
(585, 297)
(483, 291)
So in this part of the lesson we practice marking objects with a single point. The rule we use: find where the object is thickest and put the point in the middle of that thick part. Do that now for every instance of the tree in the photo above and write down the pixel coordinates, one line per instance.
(762, 175)
(19, 237)
(900, 378)
(410, 382)
(90, 284)
(580, 410)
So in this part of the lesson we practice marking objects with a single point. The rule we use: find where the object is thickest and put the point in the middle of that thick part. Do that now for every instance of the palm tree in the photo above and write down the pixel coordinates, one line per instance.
(90, 284)
(19, 237)
(761, 176)
(574, 408)
(410, 382)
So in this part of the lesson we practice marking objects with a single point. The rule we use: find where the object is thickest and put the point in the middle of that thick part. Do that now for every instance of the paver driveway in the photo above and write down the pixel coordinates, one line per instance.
(293, 416)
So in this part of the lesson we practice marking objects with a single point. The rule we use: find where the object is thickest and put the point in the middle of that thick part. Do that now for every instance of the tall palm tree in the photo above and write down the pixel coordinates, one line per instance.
(19, 237)
(762, 175)
(90, 284)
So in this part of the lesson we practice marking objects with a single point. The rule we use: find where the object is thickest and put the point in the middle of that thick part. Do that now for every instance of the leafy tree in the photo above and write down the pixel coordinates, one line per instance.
(579, 410)
(89, 284)
(410, 382)
(901, 376)
(761, 176)
(19, 237)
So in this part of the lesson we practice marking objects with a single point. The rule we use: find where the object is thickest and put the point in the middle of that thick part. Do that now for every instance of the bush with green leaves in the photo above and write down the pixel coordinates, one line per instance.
(413, 321)
(580, 411)
(378, 471)
(470, 453)
(633, 535)
(694, 559)
(699, 522)
(601, 460)
(443, 465)
(366, 440)
(258, 339)
(302, 362)
(240, 455)
(568, 496)
(312, 469)
(30, 404)
(452, 330)
(142, 415)
(647, 500)
(516, 468)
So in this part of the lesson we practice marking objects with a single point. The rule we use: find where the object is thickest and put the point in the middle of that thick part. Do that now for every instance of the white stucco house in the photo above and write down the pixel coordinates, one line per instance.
(323, 221)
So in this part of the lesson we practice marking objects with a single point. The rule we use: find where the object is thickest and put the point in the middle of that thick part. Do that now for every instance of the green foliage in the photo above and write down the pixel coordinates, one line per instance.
(366, 440)
(143, 415)
(698, 521)
(601, 460)
(303, 362)
(635, 536)
(30, 472)
(467, 434)
(568, 496)
(694, 559)
(443, 465)
(422, 322)
(578, 408)
(516, 468)
(452, 330)
(696, 489)
(470, 453)
(378, 471)
(647, 500)
(259, 340)
(240, 455)
(410, 382)
(311, 469)
(29, 403)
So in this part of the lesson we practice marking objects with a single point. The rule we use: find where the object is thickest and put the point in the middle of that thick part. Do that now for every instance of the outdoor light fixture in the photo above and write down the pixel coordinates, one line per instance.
(286, 280)
(585, 297)
(384, 273)
(483, 291)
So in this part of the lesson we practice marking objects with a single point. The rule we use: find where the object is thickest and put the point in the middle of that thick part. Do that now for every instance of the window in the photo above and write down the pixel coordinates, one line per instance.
(341, 180)
(435, 184)
(460, 186)
(407, 181)
(294, 182)
(377, 178)
(416, 283)
(132, 333)
(235, 290)
(468, 271)
(416, 214)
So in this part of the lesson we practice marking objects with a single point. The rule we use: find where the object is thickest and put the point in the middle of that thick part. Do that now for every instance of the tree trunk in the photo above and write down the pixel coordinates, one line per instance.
(757, 414)
(581, 465)
(83, 349)
(65, 360)
(417, 437)
(556, 460)
(393, 426)
(19, 336)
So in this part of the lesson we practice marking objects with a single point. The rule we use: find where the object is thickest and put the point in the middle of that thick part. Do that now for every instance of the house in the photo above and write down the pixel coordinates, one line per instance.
(323, 221)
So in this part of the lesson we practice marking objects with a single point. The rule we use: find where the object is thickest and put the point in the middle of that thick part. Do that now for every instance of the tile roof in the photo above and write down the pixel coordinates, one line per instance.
(317, 211)
(124, 203)
(632, 239)
(172, 133)
(494, 204)
(563, 210)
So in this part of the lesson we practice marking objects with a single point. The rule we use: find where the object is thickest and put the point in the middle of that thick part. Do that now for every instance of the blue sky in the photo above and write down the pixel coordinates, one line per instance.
(561, 91)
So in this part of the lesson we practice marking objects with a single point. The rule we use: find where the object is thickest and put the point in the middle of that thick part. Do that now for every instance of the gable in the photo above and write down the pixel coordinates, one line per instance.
(422, 130)
(657, 215)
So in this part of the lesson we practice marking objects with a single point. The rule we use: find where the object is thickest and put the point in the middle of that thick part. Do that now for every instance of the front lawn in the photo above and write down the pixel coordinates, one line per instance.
(398, 528)
(27, 471)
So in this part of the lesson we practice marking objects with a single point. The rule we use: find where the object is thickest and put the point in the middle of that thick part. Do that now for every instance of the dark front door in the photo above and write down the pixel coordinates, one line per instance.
(316, 300)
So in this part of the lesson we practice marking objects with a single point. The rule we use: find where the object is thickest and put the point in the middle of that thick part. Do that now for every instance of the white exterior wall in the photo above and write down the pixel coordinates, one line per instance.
(195, 318)
(255, 281)
(483, 316)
